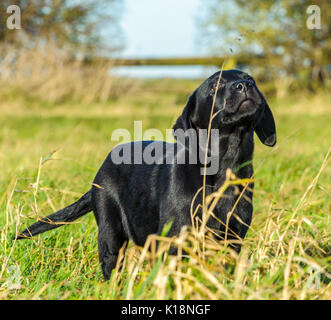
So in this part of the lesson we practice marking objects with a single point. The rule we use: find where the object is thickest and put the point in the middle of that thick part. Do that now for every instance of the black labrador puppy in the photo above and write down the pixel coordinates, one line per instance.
(132, 200)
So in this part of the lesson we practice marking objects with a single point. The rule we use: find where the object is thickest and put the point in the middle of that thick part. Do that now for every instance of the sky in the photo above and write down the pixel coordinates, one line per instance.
(165, 29)
(160, 28)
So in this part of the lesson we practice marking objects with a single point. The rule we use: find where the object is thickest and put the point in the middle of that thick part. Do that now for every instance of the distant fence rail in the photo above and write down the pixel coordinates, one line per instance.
(201, 61)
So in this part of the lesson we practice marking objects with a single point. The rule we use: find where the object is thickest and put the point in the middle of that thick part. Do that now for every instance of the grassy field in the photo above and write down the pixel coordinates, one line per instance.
(49, 154)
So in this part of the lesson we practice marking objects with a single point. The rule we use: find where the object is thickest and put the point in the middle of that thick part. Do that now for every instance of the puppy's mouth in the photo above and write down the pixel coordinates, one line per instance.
(246, 110)
(247, 105)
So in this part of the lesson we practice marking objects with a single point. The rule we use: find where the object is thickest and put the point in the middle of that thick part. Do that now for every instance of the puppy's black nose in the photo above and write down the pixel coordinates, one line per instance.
(243, 85)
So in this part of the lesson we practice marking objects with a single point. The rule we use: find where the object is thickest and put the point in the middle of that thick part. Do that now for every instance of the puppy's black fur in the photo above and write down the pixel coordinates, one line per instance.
(132, 201)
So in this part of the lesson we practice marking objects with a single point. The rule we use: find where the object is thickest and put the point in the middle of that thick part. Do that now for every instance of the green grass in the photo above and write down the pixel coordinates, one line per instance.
(288, 243)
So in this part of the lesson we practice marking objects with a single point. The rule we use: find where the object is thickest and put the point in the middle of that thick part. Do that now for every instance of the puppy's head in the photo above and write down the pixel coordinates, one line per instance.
(238, 102)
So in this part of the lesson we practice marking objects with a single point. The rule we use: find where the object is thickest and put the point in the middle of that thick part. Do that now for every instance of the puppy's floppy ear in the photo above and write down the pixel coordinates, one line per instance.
(185, 119)
(266, 128)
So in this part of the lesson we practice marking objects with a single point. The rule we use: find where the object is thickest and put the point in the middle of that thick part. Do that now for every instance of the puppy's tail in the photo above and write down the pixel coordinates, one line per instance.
(59, 218)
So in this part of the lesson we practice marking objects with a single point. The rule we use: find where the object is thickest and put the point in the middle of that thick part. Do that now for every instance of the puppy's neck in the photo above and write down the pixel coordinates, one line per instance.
(236, 153)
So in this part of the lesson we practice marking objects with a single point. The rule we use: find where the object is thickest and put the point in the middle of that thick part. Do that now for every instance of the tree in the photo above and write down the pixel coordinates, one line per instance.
(76, 24)
(275, 30)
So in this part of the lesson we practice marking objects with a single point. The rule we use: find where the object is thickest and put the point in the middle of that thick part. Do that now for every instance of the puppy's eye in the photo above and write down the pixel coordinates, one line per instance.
(251, 80)
(214, 87)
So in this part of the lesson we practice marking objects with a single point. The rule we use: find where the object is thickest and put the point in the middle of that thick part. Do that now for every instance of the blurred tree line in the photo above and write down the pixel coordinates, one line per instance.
(272, 35)
(87, 26)
(275, 31)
